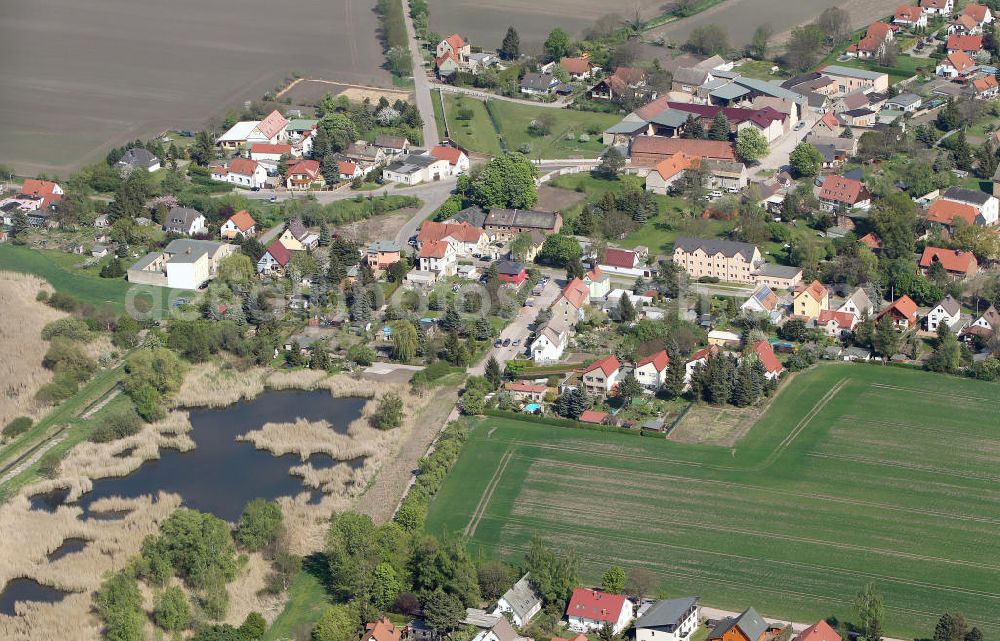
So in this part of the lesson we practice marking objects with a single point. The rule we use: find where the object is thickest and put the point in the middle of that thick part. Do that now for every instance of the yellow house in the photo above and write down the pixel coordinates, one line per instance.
(809, 301)
(290, 242)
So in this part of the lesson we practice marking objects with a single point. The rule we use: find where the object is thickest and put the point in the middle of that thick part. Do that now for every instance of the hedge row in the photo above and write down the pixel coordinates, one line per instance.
(431, 473)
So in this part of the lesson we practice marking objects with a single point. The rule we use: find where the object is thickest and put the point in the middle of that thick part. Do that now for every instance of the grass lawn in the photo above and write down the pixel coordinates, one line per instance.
(307, 598)
(563, 141)
(62, 271)
(438, 113)
(854, 474)
(760, 69)
(476, 133)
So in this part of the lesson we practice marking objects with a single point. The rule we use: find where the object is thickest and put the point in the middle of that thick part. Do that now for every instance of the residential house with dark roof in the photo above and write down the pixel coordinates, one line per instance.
(506, 223)
(521, 600)
(511, 272)
(947, 312)
(550, 341)
(184, 263)
(723, 259)
(668, 620)
(392, 145)
(139, 158)
(849, 79)
(184, 220)
(624, 81)
(589, 610)
(538, 84)
(747, 626)
(777, 276)
(382, 254)
(414, 169)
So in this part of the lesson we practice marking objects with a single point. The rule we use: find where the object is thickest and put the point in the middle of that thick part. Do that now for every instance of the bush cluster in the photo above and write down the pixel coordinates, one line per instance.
(431, 472)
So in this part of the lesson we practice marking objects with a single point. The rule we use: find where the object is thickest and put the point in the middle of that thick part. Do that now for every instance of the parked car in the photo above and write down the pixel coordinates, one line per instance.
(800, 125)
(517, 342)
(497, 343)
(506, 342)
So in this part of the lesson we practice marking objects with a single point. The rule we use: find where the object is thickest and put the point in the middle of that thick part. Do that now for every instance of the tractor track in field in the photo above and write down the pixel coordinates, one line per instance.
(484, 500)
(949, 396)
(907, 466)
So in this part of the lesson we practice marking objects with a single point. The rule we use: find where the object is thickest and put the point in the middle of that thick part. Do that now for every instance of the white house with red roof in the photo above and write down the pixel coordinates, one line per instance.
(305, 174)
(978, 12)
(274, 259)
(937, 7)
(765, 353)
(874, 42)
(955, 65)
(454, 44)
(836, 324)
(270, 130)
(468, 239)
(910, 16)
(601, 377)
(820, 631)
(349, 170)
(458, 162)
(241, 172)
(266, 152)
(589, 610)
(438, 257)
(838, 191)
(43, 192)
(967, 44)
(626, 262)
(651, 372)
(698, 358)
(239, 224)
(569, 306)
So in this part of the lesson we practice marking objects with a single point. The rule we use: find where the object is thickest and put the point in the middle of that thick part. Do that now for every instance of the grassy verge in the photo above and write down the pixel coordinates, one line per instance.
(307, 598)
(469, 124)
(442, 126)
(574, 134)
(832, 488)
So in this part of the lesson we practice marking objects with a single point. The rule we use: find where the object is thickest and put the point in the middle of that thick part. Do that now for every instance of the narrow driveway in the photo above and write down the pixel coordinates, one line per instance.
(421, 86)
(780, 151)
(518, 329)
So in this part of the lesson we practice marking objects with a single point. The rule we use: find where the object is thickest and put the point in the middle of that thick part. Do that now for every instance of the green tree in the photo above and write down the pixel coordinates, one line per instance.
(197, 546)
(404, 340)
(870, 609)
(806, 160)
(804, 47)
(507, 180)
(557, 44)
(613, 580)
(553, 576)
(389, 413)
(751, 145)
(612, 163)
(626, 310)
(386, 586)
(629, 388)
(707, 40)
(886, 339)
(720, 127)
(947, 356)
(337, 623)
(202, 151)
(259, 525)
(676, 372)
(510, 48)
(171, 610)
(951, 627)
(253, 627)
(443, 611)
(19, 227)
(492, 372)
(560, 250)
(894, 218)
(236, 269)
(759, 42)
(119, 605)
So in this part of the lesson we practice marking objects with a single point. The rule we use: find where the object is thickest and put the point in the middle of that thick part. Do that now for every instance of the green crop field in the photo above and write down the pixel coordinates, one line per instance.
(854, 474)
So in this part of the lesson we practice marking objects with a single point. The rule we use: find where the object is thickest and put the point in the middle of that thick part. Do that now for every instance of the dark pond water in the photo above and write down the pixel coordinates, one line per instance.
(48, 501)
(23, 589)
(222, 474)
(68, 546)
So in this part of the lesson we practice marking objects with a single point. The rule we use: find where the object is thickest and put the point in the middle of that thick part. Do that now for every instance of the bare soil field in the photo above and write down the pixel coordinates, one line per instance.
(485, 23)
(83, 75)
(21, 343)
(308, 92)
(742, 17)
(555, 199)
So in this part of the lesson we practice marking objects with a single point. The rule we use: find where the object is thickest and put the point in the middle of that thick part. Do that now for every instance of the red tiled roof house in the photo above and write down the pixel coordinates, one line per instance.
(589, 610)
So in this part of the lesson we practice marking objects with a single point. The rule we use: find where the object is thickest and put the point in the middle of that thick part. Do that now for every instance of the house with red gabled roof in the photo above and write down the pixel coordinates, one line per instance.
(820, 631)
(454, 44)
(958, 263)
(872, 241)
(698, 358)
(468, 240)
(947, 213)
(937, 7)
(986, 87)
(274, 259)
(438, 257)
(967, 44)
(648, 151)
(627, 262)
(592, 417)
(828, 125)
(578, 67)
(955, 65)
(598, 282)
(978, 12)
(838, 192)
(529, 392)
(651, 372)
(305, 174)
(348, 170)
(873, 43)
(241, 172)
(601, 377)
(458, 161)
(765, 353)
(669, 171)
(263, 151)
(270, 130)
(569, 306)
(41, 193)
(910, 16)
(836, 324)
(902, 312)
(239, 224)
(384, 630)
(589, 610)
(810, 300)
(624, 79)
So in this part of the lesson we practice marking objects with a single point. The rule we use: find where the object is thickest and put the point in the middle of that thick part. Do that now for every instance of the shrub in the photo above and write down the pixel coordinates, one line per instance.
(62, 301)
(118, 425)
(260, 524)
(171, 610)
(17, 427)
(71, 328)
(42, 296)
(389, 413)
(48, 466)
